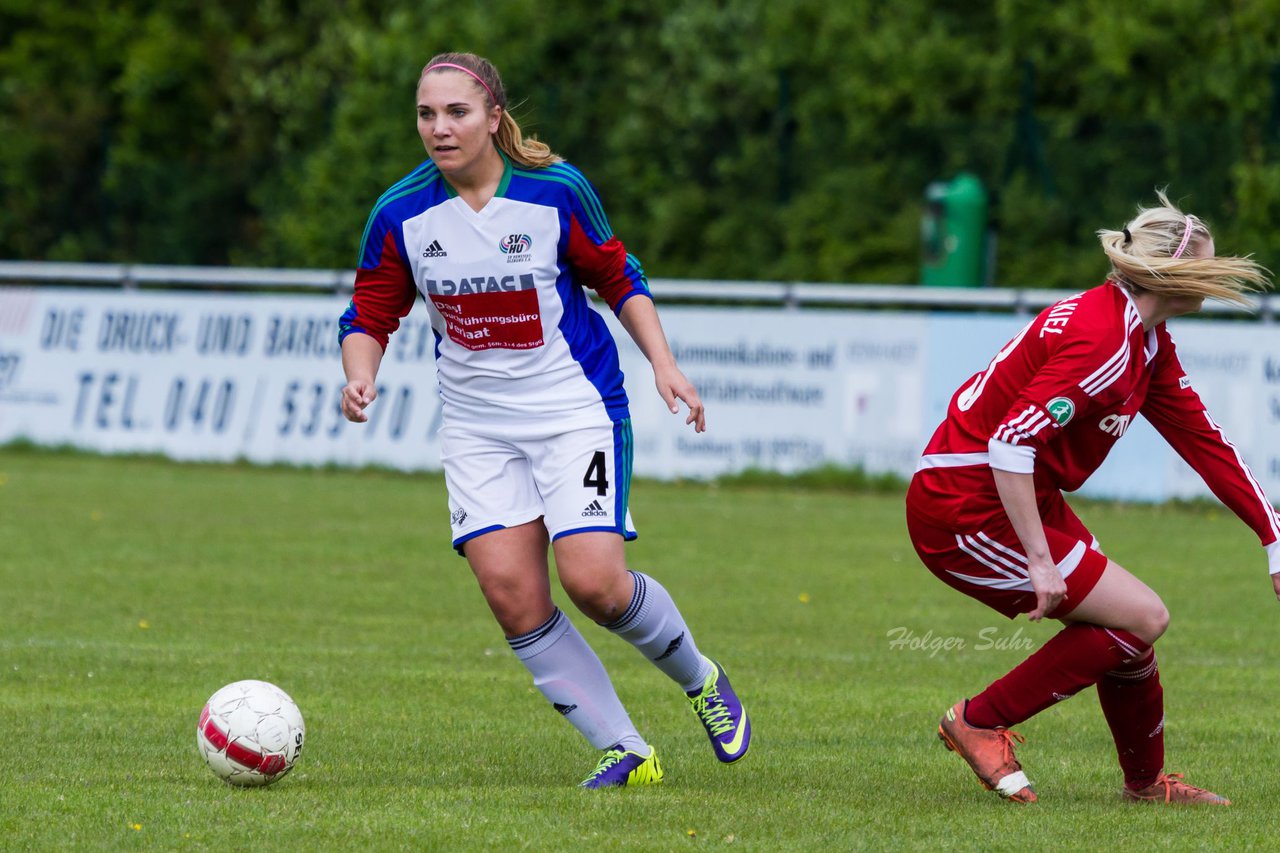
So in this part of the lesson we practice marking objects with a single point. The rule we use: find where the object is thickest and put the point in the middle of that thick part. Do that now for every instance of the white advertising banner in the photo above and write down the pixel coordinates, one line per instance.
(784, 391)
(228, 376)
(213, 377)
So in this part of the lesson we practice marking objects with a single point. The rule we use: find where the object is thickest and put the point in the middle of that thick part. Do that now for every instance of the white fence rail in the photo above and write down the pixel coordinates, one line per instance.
(790, 294)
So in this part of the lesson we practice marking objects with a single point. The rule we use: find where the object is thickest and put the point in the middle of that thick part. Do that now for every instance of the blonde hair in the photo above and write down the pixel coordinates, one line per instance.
(1161, 250)
(529, 153)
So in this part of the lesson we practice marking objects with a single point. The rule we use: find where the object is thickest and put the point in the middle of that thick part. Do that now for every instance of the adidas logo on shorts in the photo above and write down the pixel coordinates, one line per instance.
(594, 510)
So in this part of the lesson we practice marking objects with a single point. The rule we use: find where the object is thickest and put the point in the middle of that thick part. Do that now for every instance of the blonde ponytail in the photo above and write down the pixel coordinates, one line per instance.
(1162, 250)
(530, 153)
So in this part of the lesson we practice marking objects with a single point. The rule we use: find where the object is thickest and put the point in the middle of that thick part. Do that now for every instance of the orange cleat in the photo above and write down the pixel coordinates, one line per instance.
(1169, 788)
(989, 753)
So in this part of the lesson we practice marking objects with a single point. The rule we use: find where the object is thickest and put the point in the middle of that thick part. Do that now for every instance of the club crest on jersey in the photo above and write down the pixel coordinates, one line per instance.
(1061, 409)
(516, 247)
(515, 244)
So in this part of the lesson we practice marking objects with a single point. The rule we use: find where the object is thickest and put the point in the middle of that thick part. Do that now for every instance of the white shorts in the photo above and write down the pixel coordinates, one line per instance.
(576, 481)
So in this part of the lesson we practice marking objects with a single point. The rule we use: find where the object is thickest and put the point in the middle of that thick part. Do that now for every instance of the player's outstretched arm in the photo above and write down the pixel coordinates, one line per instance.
(361, 358)
(640, 319)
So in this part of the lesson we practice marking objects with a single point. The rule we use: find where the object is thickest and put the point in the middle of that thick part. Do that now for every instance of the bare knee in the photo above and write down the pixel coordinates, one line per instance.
(511, 567)
(594, 574)
(1155, 624)
(1120, 600)
(1152, 622)
(602, 595)
(518, 595)
(517, 605)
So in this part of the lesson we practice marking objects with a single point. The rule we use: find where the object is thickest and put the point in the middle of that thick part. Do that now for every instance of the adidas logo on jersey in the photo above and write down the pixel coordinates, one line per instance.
(593, 510)
(435, 250)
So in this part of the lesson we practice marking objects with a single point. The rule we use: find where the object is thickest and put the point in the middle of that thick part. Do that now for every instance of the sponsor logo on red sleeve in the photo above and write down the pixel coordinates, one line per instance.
(1061, 409)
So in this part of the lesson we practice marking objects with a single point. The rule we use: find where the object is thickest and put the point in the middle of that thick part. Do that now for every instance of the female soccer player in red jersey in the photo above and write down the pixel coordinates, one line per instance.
(986, 514)
(501, 238)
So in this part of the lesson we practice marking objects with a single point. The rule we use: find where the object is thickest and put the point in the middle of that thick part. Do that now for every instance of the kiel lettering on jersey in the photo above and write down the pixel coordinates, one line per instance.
(1059, 315)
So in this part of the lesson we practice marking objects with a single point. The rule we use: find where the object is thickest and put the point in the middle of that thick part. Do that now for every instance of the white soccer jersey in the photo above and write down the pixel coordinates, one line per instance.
(515, 333)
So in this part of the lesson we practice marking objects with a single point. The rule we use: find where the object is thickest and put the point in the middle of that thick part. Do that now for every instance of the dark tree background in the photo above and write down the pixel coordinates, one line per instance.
(729, 138)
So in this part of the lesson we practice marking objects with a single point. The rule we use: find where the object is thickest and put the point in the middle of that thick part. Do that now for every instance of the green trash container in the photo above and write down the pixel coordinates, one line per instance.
(954, 233)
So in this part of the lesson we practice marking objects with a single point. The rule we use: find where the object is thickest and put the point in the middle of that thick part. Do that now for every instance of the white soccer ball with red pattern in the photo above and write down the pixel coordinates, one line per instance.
(250, 733)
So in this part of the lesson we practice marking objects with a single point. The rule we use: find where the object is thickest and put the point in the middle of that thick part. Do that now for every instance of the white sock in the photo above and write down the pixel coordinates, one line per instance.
(568, 673)
(653, 624)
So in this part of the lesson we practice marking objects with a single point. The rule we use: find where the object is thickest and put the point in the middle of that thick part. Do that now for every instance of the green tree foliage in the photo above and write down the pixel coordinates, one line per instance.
(729, 138)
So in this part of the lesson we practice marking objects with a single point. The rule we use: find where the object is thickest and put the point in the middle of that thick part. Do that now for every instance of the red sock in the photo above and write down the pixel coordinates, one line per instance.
(1133, 703)
(1074, 658)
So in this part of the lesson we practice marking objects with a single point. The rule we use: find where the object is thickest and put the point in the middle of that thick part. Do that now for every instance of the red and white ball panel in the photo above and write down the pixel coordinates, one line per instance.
(250, 733)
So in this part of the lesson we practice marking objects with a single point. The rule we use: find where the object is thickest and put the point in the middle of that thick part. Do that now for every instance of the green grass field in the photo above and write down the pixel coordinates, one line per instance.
(132, 588)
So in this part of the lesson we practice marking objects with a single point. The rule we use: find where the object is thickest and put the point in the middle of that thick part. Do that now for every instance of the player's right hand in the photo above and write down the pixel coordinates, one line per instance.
(1275, 583)
(356, 397)
(1050, 588)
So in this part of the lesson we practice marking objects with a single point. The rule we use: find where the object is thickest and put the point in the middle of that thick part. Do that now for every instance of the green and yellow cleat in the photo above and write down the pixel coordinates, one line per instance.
(721, 713)
(619, 768)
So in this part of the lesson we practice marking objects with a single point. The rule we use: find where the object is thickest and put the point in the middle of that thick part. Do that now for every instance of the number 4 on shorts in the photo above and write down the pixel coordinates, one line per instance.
(597, 475)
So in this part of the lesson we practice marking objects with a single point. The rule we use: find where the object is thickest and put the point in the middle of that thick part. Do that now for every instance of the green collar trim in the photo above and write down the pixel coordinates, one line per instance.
(505, 181)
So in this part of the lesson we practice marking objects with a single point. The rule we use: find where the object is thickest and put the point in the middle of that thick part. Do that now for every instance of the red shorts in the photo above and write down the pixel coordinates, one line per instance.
(987, 562)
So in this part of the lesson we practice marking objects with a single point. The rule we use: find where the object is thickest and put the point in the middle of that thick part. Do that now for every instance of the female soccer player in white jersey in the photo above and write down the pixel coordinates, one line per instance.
(986, 514)
(501, 236)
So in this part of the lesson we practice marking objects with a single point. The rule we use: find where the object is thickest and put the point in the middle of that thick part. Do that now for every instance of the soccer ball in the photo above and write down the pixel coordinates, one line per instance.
(250, 733)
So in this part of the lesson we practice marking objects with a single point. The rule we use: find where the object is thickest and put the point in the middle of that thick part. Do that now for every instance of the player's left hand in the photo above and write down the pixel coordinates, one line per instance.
(673, 385)
(1275, 583)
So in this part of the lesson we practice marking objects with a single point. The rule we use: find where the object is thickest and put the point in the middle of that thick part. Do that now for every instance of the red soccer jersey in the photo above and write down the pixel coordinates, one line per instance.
(1056, 399)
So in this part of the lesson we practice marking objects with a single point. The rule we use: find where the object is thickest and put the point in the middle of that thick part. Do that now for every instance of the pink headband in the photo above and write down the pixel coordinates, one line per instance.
(464, 69)
(1186, 236)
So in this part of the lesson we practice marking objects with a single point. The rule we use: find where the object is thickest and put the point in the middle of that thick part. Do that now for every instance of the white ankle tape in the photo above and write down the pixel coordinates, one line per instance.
(1012, 784)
